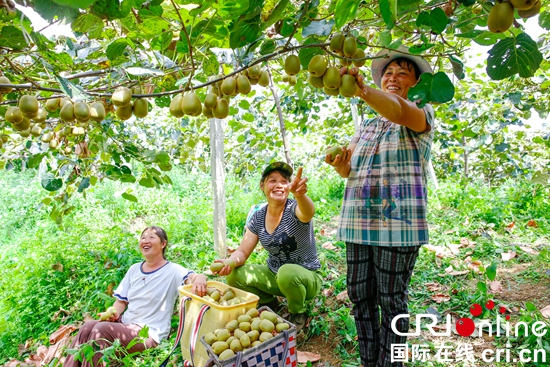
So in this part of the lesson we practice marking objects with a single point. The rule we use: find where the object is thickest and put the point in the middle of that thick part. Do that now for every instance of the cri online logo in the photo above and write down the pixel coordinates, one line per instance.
(466, 326)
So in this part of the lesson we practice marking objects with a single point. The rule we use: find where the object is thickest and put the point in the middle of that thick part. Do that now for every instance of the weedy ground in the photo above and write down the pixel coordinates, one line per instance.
(486, 243)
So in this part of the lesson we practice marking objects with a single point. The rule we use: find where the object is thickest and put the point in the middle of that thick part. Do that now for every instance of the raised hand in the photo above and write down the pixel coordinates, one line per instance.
(298, 186)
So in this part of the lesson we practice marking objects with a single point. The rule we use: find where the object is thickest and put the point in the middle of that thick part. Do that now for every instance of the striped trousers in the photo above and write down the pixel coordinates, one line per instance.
(377, 280)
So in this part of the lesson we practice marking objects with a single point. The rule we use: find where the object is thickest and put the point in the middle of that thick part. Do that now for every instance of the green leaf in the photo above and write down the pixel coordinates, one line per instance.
(210, 65)
(388, 9)
(540, 178)
(77, 4)
(244, 104)
(268, 46)
(432, 88)
(248, 117)
(320, 28)
(491, 271)
(129, 197)
(511, 56)
(482, 287)
(230, 8)
(244, 32)
(35, 160)
(50, 182)
(127, 177)
(11, 37)
(529, 306)
(458, 67)
(161, 42)
(75, 92)
(344, 11)
(84, 184)
(147, 181)
(87, 23)
(117, 47)
(49, 10)
(162, 157)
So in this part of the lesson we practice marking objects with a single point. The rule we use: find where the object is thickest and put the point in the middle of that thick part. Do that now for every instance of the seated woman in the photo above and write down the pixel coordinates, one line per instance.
(284, 228)
(146, 296)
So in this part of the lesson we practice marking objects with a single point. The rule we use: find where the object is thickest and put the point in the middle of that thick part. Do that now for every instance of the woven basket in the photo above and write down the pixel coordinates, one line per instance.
(279, 351)
(214, 318)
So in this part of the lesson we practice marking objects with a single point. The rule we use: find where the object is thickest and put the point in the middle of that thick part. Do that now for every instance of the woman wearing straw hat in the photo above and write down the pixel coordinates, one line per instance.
(383, 217)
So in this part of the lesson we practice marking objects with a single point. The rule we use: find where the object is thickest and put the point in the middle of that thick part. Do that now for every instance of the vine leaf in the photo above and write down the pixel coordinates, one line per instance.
(510, 56)
(50, 182)
(432, 88)
(344, 11)
(73, 91)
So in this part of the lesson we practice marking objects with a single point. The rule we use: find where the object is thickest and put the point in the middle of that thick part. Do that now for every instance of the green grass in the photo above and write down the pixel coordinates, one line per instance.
(45, 267)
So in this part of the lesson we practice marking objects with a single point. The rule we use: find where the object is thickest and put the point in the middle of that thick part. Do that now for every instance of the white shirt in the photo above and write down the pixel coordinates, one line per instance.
(151, 297)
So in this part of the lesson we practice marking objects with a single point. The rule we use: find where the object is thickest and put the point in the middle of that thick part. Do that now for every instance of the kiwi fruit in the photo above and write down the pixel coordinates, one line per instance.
(141, 107)
(191, 104)
(81, 111)
(67, 112)
(292, 65)
(318, 65)
(333, 152)
(41, 116)
(97, 111)
(122, 97)
(5, 80)
(523, 4)
(243, 85)
(359, 54)
(350, 47)
(254, 71)
(348, 86)
(28, 106)
(124, 112)
(207, 112)
(221, 110)
(263, 80)
(13, 115)
(500, 17)
(337, 42)
(229, 86)
(331, 78)
(210, 100)
(331, 92)
(525, 14)
(175, 106)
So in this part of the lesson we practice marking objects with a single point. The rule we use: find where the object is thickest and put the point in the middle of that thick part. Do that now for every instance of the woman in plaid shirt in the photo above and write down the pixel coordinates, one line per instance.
(383, 217)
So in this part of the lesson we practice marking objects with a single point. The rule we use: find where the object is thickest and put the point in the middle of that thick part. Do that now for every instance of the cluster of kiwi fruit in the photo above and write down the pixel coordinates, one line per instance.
(501, 15)
(247, 331)
(326, 76)
(29, 118)
(222, 298)
(125, 107)
(216, 101)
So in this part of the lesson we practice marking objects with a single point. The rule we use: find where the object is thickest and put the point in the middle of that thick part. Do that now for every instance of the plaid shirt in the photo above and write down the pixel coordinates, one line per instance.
(386, 196)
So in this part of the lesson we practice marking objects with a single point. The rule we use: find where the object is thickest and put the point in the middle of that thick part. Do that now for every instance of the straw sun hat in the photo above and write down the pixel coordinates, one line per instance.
(380, 63)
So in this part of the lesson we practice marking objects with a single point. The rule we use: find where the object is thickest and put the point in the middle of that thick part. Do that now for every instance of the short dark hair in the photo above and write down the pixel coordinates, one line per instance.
(405, 63)
(161, 233)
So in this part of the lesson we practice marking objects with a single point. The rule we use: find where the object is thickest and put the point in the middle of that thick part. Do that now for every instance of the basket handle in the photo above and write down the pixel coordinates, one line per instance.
(180, 330)
(195, 335)
(285, 350)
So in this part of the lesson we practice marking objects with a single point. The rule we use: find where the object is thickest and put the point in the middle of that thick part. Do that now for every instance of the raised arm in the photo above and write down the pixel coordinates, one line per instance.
(305, 208)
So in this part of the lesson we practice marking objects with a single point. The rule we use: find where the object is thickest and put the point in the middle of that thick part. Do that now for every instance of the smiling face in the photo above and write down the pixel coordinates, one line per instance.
(275, 187)
(398, 78)
(151, 244)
